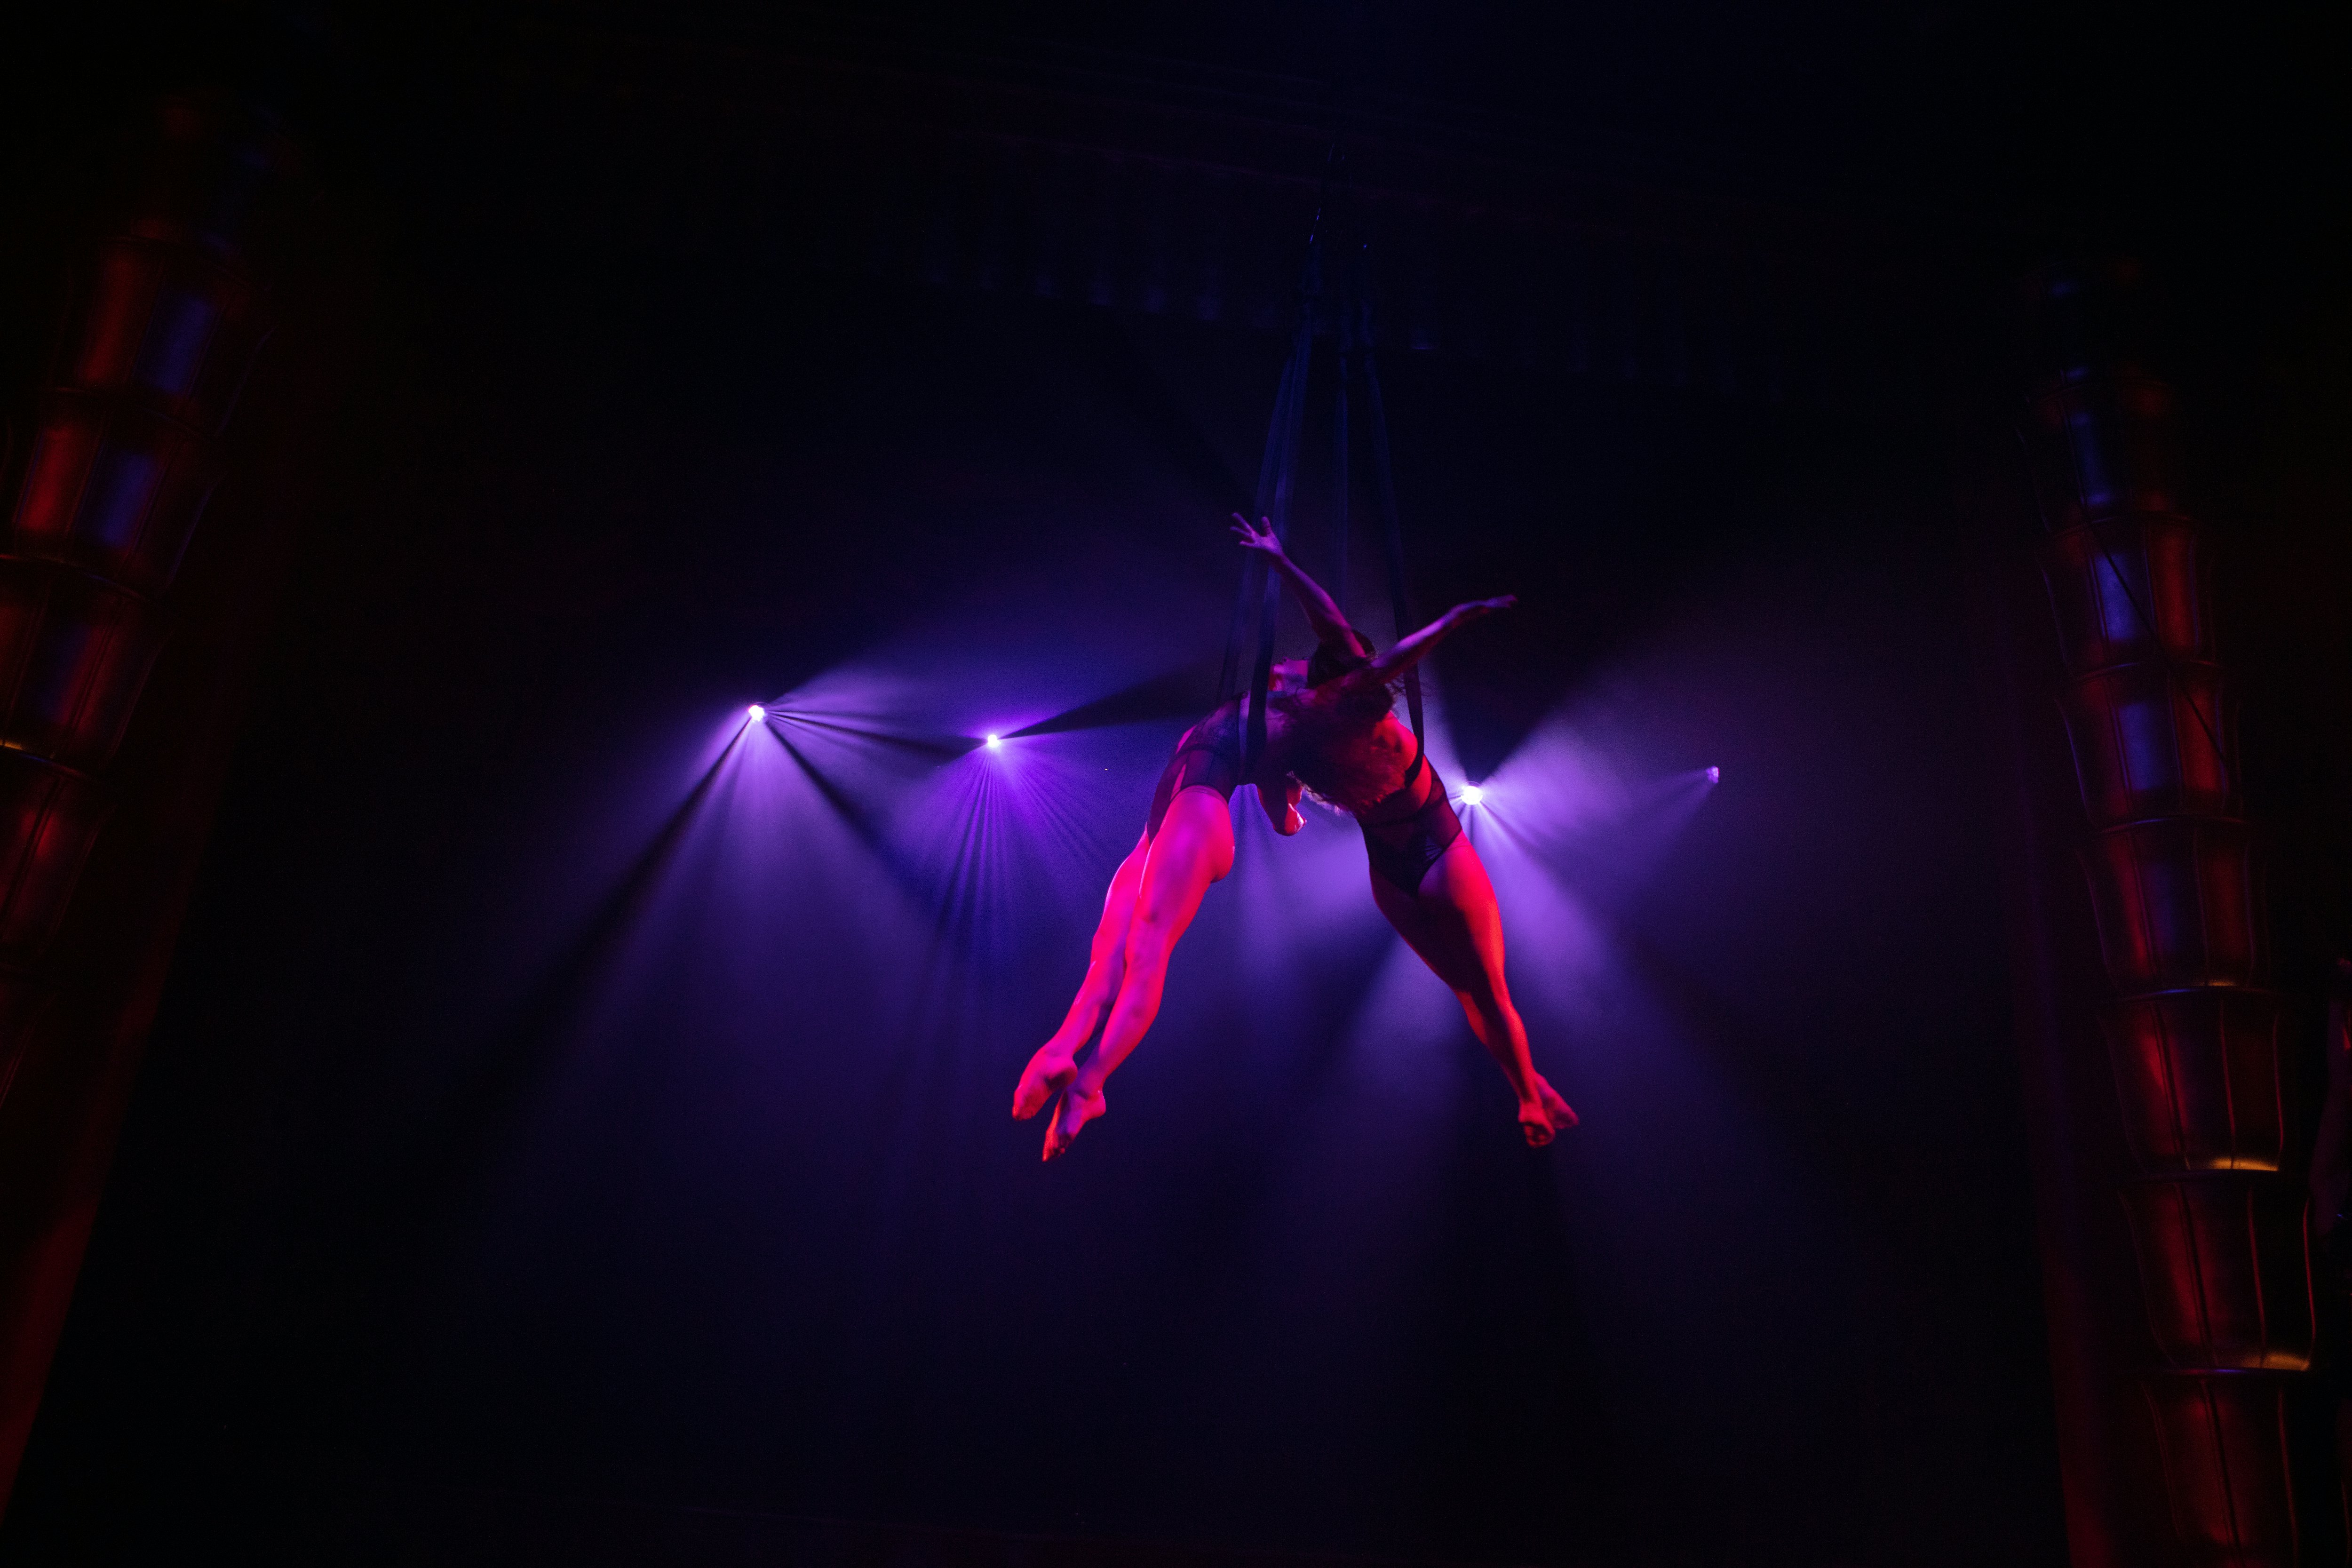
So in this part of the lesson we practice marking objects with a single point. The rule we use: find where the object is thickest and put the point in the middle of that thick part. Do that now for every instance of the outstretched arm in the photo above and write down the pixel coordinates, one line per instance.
(1410, 651)
(1323, 617)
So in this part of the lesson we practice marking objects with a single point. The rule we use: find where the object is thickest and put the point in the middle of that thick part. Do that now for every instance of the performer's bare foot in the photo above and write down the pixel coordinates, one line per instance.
(1547, 1116)
(1048, 1073)
(1077, 1108)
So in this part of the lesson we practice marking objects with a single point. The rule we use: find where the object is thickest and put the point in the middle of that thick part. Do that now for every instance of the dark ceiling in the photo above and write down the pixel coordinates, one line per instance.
(1949, 114)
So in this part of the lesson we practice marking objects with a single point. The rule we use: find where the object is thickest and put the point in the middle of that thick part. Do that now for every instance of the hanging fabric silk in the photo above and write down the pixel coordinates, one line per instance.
(1277, 485)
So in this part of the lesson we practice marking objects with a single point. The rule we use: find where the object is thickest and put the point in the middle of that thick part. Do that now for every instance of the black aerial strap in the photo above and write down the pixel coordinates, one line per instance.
(1277, 477)
(1340, 468)
(1384, 495)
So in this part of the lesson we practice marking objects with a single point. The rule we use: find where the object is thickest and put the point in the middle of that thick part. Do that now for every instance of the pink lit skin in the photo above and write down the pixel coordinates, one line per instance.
(1452, 921)
(1153, 896)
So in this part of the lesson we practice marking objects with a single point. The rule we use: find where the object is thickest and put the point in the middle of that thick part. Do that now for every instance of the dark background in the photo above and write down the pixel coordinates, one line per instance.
(526, 1123)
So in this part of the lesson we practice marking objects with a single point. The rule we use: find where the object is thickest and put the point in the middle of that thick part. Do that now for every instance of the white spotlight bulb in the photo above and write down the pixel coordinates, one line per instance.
(1472, 795)
(994, 740)
(1714, 775)
(757, 712)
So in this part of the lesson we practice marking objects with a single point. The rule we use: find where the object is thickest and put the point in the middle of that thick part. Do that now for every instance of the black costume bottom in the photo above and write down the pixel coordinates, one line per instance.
(1216, 767)
(1403, 850)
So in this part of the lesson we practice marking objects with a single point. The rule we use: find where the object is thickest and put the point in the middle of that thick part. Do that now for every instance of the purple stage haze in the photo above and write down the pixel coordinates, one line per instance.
(808, 1030)
(654, 1140)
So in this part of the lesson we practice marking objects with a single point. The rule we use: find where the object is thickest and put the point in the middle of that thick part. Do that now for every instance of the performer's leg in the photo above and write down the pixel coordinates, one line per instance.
(1050, 1070)
(1456, 926)
(1193, 849)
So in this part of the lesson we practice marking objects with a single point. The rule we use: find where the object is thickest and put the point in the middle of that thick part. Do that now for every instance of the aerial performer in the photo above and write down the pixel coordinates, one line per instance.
(1329, 728)
(1187, 844)
(1426, 875)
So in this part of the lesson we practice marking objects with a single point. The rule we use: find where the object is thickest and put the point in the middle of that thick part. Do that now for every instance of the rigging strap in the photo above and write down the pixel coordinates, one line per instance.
(1277, 484)
(1384, 497)
(1277, 480)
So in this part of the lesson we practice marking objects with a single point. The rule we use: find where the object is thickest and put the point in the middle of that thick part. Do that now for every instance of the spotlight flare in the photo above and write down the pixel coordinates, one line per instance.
(1472, 795)
(756, 712)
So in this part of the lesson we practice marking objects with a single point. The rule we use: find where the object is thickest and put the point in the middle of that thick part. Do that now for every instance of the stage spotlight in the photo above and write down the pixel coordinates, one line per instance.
(757, 712)
(994, 741)
(1472, 795)
(1714, 775)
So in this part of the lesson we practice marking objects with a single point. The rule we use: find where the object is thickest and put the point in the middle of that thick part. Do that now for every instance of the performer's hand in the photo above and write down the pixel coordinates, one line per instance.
(1258, 537)
(1281, 803)
(1477, 609)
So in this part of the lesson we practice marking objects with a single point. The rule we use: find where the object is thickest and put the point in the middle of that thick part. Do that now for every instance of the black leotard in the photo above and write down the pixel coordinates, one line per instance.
(1402, 850)
(1209, 753)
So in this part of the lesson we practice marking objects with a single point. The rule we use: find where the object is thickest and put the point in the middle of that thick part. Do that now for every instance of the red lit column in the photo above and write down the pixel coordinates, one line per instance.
(169, 315)
(2191, 1037)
